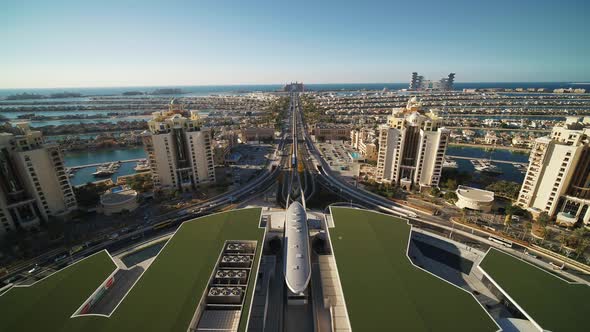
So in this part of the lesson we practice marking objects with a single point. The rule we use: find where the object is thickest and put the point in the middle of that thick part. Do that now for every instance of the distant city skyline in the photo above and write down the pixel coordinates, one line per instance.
(62, 44)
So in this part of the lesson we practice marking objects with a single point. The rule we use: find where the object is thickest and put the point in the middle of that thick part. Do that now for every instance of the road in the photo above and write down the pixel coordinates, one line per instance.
(294, 151)
(336, 184)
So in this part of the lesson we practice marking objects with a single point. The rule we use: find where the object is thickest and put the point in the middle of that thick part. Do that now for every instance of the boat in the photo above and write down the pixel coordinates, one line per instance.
(485, 166)
(449, 163)
(142, 166)
(70, 172)
(106, 170)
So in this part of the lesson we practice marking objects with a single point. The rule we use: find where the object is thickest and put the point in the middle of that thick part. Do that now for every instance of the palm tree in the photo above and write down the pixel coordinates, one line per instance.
(543, 219)
(579, 234)
(581, 247)
(547, 232)
(527, 226)
(562, 240)
(507, 221)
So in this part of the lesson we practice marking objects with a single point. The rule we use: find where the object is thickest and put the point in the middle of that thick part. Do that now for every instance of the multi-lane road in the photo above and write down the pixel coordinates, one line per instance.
(323, 173)
(294, 151)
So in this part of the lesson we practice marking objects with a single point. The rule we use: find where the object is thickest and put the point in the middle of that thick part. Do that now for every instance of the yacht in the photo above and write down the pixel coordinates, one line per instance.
(105, 170)
(449, 163)
(142, 166)
(70, 172)
(485, 166)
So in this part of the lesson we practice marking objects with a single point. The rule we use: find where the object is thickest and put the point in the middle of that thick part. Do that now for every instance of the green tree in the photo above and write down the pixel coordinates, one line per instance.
(89, 194)
(527, 229)
(451, 184)
(547, 233)
(543, 219)
(507, 189)
(434, 191)
(450, 196)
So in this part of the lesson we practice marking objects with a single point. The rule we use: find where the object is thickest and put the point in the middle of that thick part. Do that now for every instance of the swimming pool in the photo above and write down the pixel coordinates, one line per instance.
(117, 189)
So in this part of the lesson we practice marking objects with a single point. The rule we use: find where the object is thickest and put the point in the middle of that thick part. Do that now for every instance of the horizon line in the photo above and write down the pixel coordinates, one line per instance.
(269, 84)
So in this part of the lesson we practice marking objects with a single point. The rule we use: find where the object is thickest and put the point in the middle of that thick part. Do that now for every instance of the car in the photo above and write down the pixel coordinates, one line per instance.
(61, 257)
(113, 236)
(33, 269)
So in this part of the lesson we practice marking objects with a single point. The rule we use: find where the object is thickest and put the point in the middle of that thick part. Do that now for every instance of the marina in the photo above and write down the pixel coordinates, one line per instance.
(84, 163)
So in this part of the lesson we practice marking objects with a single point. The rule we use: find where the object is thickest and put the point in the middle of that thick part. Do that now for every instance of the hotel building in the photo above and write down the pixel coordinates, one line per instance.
(365, 143)
(558, 176)
(179, 149)
(33, 182)
(412, 147)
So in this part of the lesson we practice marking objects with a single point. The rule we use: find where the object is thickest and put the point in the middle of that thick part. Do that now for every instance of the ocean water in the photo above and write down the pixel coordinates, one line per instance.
(204, 90)
(84, 175)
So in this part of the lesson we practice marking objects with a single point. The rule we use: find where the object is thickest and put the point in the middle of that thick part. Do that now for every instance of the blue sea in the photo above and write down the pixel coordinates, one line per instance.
(205, 90)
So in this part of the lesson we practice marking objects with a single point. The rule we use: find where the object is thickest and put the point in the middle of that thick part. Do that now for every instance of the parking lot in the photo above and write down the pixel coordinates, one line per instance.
(339, 154)
(247, 161)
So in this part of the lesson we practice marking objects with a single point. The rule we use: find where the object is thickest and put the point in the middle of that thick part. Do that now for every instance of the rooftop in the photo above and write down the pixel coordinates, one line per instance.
(475, 194)
(297, 267)
(163, 299)
(382, 288)
(551, 302)
(118, 195)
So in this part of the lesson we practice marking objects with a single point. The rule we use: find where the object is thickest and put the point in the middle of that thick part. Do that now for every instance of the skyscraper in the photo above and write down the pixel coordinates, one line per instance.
(33, 183)
(412, 146)
(418, 83)
(179, 149)
(558, 176)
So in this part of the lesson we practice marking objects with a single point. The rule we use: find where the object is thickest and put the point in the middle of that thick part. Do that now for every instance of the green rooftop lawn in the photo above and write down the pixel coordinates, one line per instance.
(165, 297)
(49, 303)
(553, 303)
(384, 291)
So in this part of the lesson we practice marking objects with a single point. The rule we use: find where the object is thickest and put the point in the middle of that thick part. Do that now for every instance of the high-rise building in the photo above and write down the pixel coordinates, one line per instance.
(448, 83)
(294, 87)
(558, 176)
(33, 182)
(365, 142)
(179, 149)
(412, 147)
(418, 83)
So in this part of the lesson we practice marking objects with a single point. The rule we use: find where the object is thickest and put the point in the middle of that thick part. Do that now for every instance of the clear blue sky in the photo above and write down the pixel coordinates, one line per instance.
(120, 43)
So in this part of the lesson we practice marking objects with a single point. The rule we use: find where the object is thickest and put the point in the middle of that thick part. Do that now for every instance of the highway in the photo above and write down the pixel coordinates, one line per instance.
(165, 223)
(440, 224)
(295, 154)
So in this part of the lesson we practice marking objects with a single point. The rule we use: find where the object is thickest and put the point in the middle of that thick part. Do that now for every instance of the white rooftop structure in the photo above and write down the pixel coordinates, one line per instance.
(297, 265)
(474, 198)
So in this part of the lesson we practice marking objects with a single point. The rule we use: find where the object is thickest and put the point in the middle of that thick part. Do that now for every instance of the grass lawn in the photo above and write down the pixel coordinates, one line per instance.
(384, 291)
(48, 304)
(166, 296)
(553, 303)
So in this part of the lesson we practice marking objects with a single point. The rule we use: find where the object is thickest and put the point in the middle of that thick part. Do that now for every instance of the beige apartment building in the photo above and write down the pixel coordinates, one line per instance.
(34, 185)
(365, 142)
(179, 150)
(255, 134)
(412, 147)
(558, 176)
(325, 131)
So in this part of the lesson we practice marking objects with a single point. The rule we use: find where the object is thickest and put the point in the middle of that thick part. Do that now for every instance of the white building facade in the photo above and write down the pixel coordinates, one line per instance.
(179, 150)
(412, 147)
(34, 185)
(558, 176)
